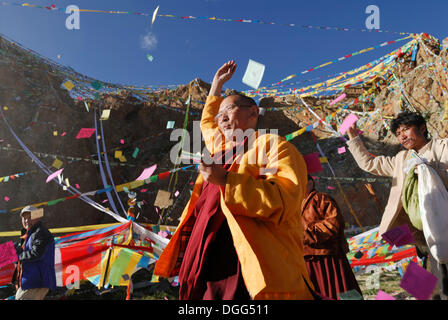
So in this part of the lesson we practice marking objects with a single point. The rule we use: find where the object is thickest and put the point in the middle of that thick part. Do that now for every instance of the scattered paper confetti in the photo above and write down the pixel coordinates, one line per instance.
(55, 133)
(170, 124)
(147, 172)
(122, 141)
(350, 295)
(254, 73)
(57, 163)
(8, 254)
(399, 236)
(135, 153)
(68, 85)
(338, 99)
(6, 198)
(85, 133)
(381, 295)
(313, 163)
(149, 57)
(105, 114)
(54, 175)
(342, 150)
(418, 282)
(176, 193)
(154, 15)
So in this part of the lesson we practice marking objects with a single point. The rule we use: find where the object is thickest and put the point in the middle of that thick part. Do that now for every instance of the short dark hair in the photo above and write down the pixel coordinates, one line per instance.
(245, 99)
(410, 119)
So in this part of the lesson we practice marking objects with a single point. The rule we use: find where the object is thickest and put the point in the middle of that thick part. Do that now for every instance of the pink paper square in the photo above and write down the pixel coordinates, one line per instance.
(347, 123)
(85, 133)
(54, 175)
(147, 172)
(312, 162)
(122, 141)
(341, 150)
(7, 254)
(338, 99)
(381, 295)
(399, 236)
(6, 198)
(176, 193)
(418, 282)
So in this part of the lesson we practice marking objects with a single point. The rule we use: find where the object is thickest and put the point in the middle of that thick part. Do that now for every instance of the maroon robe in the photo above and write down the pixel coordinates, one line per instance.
(210, 268)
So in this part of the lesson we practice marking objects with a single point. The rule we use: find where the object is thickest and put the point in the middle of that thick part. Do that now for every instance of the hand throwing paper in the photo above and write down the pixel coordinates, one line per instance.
(347, 123)
(7, 254)
(254, 73)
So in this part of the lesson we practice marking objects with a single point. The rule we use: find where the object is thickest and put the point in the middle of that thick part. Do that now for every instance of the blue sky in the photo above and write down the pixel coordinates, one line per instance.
(108, 46)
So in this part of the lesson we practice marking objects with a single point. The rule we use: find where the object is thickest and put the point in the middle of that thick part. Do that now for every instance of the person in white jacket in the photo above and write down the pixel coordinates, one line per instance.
(411, 132)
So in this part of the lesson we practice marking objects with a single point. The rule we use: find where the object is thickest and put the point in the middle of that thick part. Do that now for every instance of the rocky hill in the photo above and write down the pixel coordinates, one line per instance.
(46, 118)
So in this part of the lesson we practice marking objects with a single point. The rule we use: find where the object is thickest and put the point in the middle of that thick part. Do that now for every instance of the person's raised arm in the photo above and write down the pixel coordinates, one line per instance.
(212, 135)
(223, 75)
(380, 165)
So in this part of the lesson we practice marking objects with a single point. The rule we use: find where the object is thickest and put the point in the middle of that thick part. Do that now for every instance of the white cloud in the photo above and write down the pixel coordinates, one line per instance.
(148, 41)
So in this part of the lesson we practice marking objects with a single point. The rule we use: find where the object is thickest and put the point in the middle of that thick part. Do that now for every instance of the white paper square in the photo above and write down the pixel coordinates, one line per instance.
(254, 73)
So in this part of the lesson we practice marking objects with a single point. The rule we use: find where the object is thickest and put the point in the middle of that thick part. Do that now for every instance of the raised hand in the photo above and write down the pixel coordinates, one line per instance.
(352, 131)
(223, 75)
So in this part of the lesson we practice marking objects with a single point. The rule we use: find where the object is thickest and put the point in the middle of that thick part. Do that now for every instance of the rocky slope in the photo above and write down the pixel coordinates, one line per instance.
(47, 117)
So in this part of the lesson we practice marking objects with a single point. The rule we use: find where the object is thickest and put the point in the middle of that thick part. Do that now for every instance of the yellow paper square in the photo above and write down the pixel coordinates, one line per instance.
(69, 85)
(118, 154)
(57, 164)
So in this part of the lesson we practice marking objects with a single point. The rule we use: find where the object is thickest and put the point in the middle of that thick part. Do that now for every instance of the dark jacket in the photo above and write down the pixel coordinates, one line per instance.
(37, 260)
(323, 226)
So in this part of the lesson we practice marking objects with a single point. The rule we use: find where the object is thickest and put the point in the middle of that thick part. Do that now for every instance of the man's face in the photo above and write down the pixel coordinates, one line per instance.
(27, 222)
(411, 137)
(234, 115)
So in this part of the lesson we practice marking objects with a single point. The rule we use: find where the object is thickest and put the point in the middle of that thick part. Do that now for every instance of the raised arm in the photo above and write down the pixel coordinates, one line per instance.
(210, 131)
(380, 165)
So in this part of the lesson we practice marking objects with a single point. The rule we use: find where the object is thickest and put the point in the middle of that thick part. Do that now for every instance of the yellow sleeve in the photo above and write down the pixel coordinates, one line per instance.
(275, 197)
(212, 134)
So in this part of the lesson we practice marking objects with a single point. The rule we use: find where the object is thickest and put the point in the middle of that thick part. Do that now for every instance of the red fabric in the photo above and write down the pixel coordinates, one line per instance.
(331, 274)
(210, 267)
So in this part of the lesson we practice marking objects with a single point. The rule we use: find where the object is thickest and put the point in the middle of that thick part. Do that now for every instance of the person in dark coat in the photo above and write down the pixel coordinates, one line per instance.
(35, 273)
(325, 245)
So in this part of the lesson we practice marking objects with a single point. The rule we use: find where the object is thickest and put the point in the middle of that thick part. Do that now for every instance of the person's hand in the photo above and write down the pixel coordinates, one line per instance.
(352, 131)
(223, 75)
(213, 173)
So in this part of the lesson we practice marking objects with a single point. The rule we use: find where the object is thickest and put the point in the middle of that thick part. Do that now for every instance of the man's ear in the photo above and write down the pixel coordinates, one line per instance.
(254, 112)
(423, 129)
